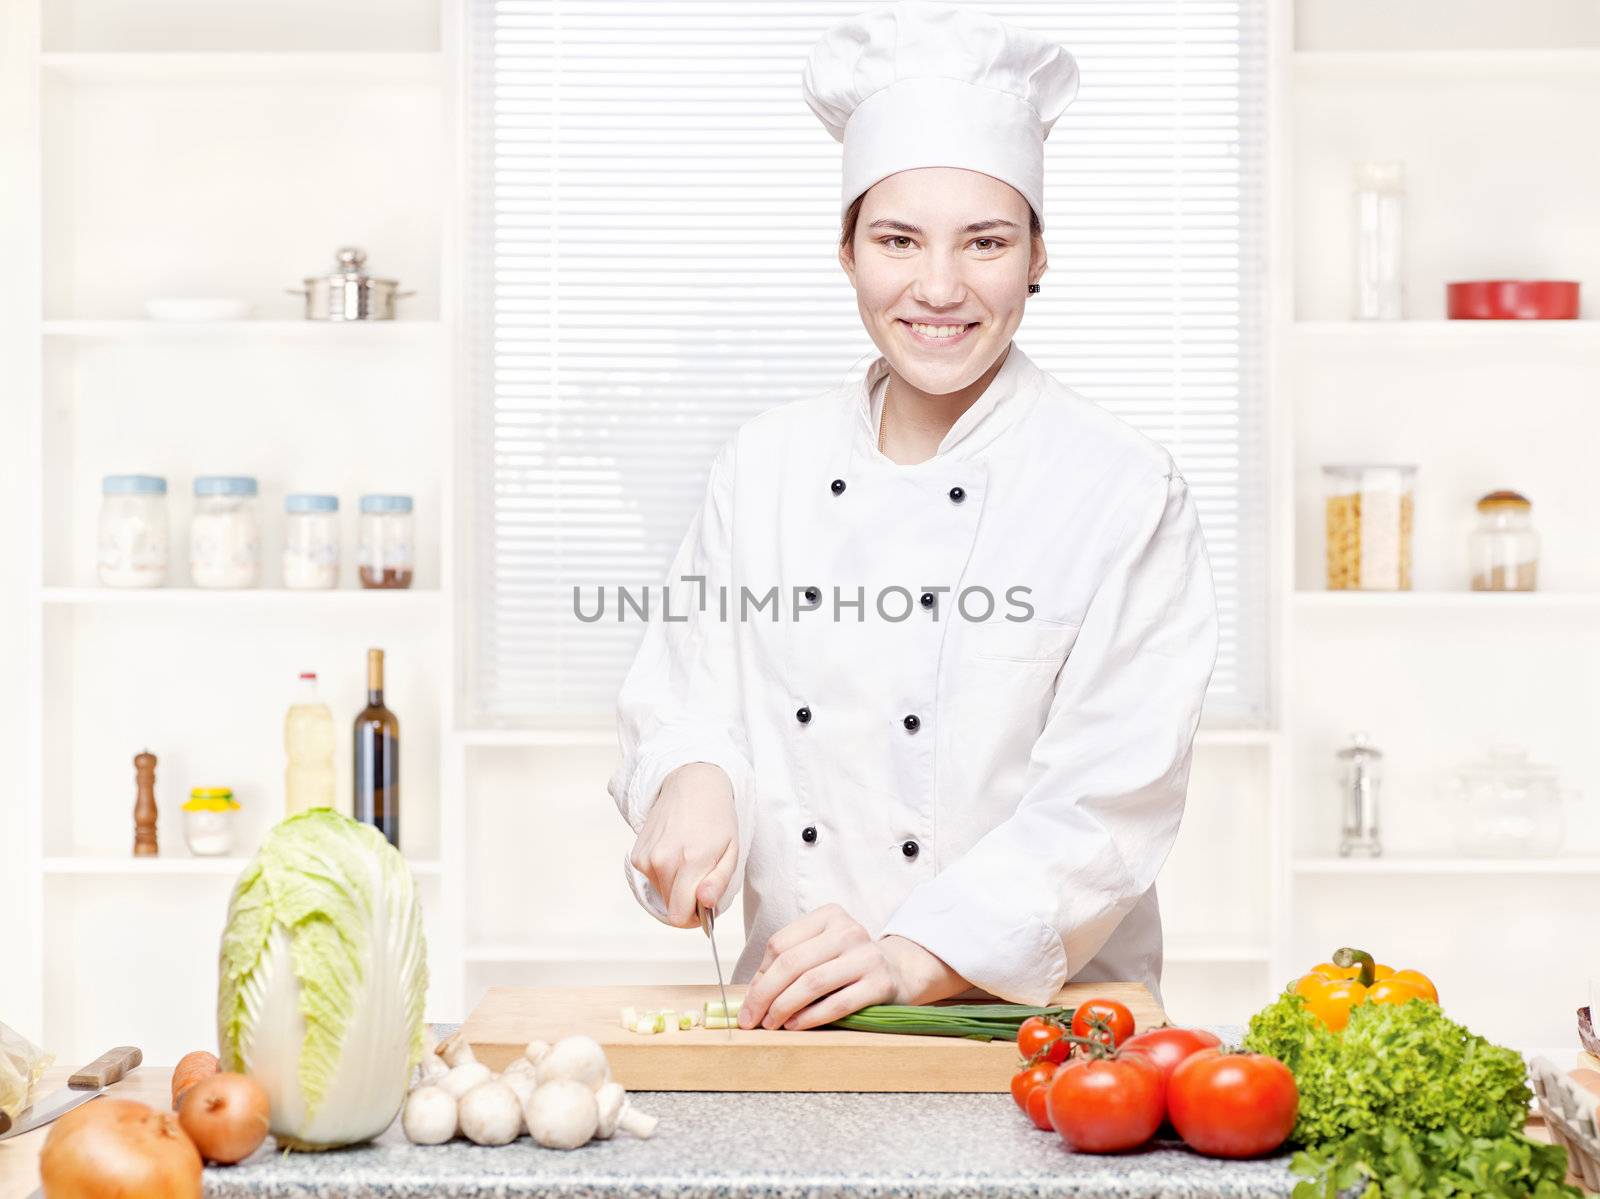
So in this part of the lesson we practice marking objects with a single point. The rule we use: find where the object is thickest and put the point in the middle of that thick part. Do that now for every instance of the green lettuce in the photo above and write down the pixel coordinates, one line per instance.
(322, 974)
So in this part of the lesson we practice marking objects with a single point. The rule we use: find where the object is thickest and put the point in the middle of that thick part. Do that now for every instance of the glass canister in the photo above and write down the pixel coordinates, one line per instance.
(1370, 511)
(132, 549)
(1506, 805)
(386, 556)
(208, 821)
(1360, 771)
(310, 542)
(1379, 203)
(1505, 546)
(224, 538)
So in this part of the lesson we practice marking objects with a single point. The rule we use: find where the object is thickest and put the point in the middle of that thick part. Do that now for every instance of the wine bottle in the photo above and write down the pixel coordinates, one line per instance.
(377, 758)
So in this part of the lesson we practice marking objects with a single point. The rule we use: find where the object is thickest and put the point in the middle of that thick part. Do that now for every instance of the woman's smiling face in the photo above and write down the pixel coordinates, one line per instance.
(940, 262)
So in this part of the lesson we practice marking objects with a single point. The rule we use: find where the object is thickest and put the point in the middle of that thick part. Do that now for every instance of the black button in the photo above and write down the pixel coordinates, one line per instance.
(927, 599)
(957, 495)
(910, 849)
(803, 715)
(809, 834)
(837, 485)
(912, 723)
(812, 595)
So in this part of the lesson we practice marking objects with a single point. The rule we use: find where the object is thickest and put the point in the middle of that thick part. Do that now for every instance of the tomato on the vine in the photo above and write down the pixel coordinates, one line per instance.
(1232, 1104)
(1029, 1079)
(1169, 1046)
(1116, 1015)
(1038, 1108)
(1037, 1035)
(1106, 1105)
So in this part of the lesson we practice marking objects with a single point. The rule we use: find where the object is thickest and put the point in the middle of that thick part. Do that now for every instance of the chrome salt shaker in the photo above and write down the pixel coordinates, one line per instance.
(1360, 771)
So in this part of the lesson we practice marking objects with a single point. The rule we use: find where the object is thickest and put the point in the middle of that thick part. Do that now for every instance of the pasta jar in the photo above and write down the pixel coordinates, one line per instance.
(132, 549)
(385, 556)
(224, 540)
(208, 819)
(310, 541)
(1505, 545)
(1370, 511)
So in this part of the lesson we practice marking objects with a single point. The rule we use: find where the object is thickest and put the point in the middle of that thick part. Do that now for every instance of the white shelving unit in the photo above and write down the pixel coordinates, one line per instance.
(1436, 674)
(179, 152)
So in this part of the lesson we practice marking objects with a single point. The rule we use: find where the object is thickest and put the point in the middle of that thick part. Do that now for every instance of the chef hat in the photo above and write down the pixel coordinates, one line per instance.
(920, 83)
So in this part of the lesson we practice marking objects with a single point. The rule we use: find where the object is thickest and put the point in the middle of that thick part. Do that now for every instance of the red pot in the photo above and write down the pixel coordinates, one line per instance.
(1513, 300)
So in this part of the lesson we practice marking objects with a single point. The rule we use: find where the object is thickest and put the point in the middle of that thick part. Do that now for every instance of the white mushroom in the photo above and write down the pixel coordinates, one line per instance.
(429, 1117)
(616, 1112)
(575, 1059)
(535, 1052)
(431, 1069)
(522, 1085)
(562, 1114)
(519, 1065)
(463, 1078)
(456, 1051)
(490, 1114)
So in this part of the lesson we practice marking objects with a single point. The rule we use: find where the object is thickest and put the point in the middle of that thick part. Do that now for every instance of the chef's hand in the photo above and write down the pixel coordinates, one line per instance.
(825, 965)
(689, 844)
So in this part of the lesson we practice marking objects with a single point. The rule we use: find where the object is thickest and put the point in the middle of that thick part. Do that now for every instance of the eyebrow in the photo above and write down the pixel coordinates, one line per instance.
(975, 227)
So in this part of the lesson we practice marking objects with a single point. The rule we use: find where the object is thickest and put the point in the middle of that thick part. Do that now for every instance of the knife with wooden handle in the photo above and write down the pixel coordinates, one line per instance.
(84, 1085)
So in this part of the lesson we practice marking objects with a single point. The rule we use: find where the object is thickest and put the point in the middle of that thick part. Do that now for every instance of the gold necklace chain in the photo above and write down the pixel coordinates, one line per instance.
(883, 417)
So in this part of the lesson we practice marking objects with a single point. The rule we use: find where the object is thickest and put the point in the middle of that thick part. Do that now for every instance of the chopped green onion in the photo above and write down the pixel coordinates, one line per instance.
(715, 1007)
(629, 1018)
(978, 1021)
(646, 1024)
(722, 1022)
(686, 1021)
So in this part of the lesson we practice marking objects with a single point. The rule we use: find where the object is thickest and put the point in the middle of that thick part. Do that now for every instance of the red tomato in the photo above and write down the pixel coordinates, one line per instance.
(1232, 1104)
(1038, 1108)
(1106, 1106)
(1166, 1047)
(1113, 1013)
(1030, 1079)
(1038, 1035)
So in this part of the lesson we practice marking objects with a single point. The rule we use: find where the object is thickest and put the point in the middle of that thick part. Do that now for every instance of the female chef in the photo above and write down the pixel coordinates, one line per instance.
(950, 752)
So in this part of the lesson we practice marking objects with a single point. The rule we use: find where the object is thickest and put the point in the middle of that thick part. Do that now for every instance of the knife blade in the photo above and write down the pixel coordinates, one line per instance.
(84, 1085)
(708, 922)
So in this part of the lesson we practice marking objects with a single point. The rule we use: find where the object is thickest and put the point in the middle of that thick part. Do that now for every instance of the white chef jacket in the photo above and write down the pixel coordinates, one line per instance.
(1001, 791)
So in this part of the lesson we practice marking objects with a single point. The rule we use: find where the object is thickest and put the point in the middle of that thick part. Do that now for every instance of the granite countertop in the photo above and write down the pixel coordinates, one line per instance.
(776, 1146)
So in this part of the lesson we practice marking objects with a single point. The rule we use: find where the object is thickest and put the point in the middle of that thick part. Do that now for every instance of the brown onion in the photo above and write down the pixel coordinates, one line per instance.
(226, 1116)
(118, 1147)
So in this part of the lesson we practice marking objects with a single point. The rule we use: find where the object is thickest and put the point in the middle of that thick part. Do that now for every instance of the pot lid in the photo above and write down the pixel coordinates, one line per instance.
(351, 259)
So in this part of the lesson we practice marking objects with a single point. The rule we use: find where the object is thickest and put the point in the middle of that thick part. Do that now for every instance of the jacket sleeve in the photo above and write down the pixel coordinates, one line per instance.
(1035, 898)
(679, 702)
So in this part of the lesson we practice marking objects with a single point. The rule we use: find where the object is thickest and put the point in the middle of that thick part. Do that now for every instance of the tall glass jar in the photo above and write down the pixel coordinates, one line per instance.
(386, 554)
(224, 537)
(1370, 512)
(132, 541)
(1379, 202)
(310, 542)
(1505, 546)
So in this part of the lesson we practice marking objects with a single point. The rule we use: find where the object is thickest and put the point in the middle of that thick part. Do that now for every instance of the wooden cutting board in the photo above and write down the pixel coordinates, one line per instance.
(755, 1060)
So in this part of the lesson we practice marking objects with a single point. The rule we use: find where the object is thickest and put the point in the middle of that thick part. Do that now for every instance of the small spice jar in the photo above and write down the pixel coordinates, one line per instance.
(1370, 511)
(208, 821)
(386, 557)
(310, 542)
(132, 539)
(1505, 546)
(224, 539)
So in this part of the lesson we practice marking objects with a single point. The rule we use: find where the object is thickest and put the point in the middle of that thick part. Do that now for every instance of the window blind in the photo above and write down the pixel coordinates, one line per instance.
(653, 221)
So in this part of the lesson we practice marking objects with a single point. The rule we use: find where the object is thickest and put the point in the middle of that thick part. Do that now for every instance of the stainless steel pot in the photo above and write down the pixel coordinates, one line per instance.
(350, 294)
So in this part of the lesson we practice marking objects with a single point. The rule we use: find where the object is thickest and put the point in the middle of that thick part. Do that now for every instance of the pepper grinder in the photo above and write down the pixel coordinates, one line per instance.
(1360, 773)
(144, 806)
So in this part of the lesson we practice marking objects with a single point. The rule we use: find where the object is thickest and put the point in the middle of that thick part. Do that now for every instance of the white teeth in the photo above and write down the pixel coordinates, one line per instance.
(938, 331)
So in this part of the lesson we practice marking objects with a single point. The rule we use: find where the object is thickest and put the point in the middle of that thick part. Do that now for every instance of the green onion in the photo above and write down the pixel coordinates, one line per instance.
(977, 1021)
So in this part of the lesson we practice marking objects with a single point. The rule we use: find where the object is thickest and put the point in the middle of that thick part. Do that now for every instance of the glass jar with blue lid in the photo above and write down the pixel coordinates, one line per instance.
(224, 534)
(310, 541)
(131, 547)
(386, 555)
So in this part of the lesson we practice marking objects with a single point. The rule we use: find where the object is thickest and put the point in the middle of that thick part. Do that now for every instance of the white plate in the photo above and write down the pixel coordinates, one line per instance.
(198, 308)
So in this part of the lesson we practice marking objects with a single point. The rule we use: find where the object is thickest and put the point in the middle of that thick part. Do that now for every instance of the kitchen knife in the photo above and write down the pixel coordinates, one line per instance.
(83, 1086)
(708, 922)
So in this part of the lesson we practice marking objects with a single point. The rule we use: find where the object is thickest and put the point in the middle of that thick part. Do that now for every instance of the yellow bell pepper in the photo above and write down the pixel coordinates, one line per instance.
(1331, 989)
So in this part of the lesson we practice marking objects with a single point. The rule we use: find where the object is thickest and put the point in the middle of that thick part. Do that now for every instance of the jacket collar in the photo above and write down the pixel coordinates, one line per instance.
(1008, 395)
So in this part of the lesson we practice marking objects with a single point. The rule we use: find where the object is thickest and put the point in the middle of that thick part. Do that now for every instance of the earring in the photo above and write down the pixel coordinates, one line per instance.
(1033, 289)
